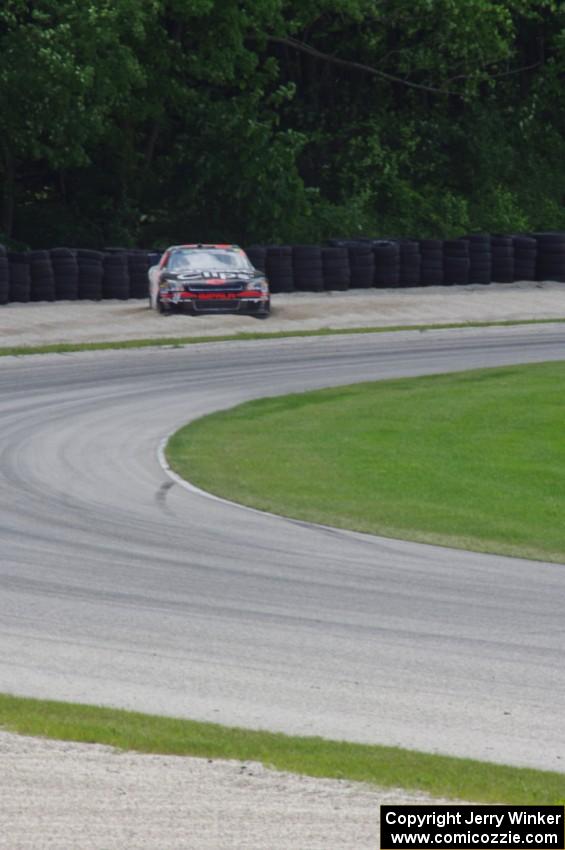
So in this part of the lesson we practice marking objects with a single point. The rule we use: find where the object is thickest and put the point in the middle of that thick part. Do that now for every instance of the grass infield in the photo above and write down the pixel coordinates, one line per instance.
(455, 778)
(472, 460)
(178, 342)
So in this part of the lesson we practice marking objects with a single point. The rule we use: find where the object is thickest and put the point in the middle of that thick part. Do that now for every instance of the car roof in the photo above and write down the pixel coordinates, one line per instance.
(202, 245)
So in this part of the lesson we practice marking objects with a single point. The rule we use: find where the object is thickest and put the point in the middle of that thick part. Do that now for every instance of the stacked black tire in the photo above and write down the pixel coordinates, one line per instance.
(387, 263)
(65, 272)
(90, 274)
(153, 259)
(4, 277)
(525, 257)
(258, 257)
(551, 256)
(361, 265)
(480, 258)
(138, 266)
(410, 263)
(456, 262)
(502, 248)
(42, 277)
(361, 261)
(308, 268)
(20, 277)
(115, 280)
(278, 267)
(335, 266)
(431, 269)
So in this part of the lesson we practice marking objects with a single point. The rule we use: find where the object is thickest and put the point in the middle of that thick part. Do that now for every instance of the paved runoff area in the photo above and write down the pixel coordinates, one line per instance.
(90, 321)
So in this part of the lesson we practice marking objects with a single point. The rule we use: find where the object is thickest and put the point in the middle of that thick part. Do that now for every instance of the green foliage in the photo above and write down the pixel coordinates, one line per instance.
(500, 211)
(387, 767)
(174, 119)
(64, 69)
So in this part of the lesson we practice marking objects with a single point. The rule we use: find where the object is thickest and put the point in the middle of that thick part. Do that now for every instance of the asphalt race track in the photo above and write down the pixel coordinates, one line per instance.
(119, 587)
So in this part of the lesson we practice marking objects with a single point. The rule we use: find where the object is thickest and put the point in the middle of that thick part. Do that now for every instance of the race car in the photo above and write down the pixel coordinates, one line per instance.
(208, 279)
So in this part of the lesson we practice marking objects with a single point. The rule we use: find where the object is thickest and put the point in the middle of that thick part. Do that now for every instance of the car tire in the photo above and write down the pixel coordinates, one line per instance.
(263, 312)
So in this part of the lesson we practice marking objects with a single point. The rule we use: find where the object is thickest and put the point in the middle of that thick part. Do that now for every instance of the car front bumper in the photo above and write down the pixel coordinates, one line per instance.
(216, 301)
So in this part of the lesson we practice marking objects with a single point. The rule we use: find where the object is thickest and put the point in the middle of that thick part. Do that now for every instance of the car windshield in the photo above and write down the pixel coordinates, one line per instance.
(209, 259)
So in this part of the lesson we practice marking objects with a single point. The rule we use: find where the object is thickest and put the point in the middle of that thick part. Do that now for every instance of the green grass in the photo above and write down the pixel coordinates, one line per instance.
(385, 766)
(176, 342)
(474, 460)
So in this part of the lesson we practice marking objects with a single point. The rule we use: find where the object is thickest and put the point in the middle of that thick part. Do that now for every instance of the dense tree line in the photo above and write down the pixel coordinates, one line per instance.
(151, 121)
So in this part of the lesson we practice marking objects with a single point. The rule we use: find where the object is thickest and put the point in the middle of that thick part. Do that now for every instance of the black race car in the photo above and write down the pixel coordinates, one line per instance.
(208, 279)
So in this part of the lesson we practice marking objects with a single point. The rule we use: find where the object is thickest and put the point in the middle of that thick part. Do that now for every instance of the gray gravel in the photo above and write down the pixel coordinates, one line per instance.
(62, 796)
(82, 321)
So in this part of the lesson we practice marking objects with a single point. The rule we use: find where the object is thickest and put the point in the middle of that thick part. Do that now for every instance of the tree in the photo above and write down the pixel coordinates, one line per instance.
(66, 68)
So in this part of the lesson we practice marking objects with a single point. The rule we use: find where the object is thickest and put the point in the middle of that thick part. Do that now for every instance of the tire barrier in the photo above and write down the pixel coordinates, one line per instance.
(525, 257)
(278, 268)
(138, 263)
(115, 280)
(456, 262)
(258, 256)
(65, 274)
(410, 263)
(431, 268)
(90, 274)
(336, 268)
(502, 248)
(361, 265)
(361, 261)
(153, 259)
(20, 277)
(308, 268)
(551, 256)
(4, 277)
(480, 258)
(386, 254)
(42, 277)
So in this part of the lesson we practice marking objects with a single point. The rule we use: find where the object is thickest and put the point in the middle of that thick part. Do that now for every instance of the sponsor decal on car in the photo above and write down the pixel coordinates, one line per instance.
(209, 296)
(214, 277)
